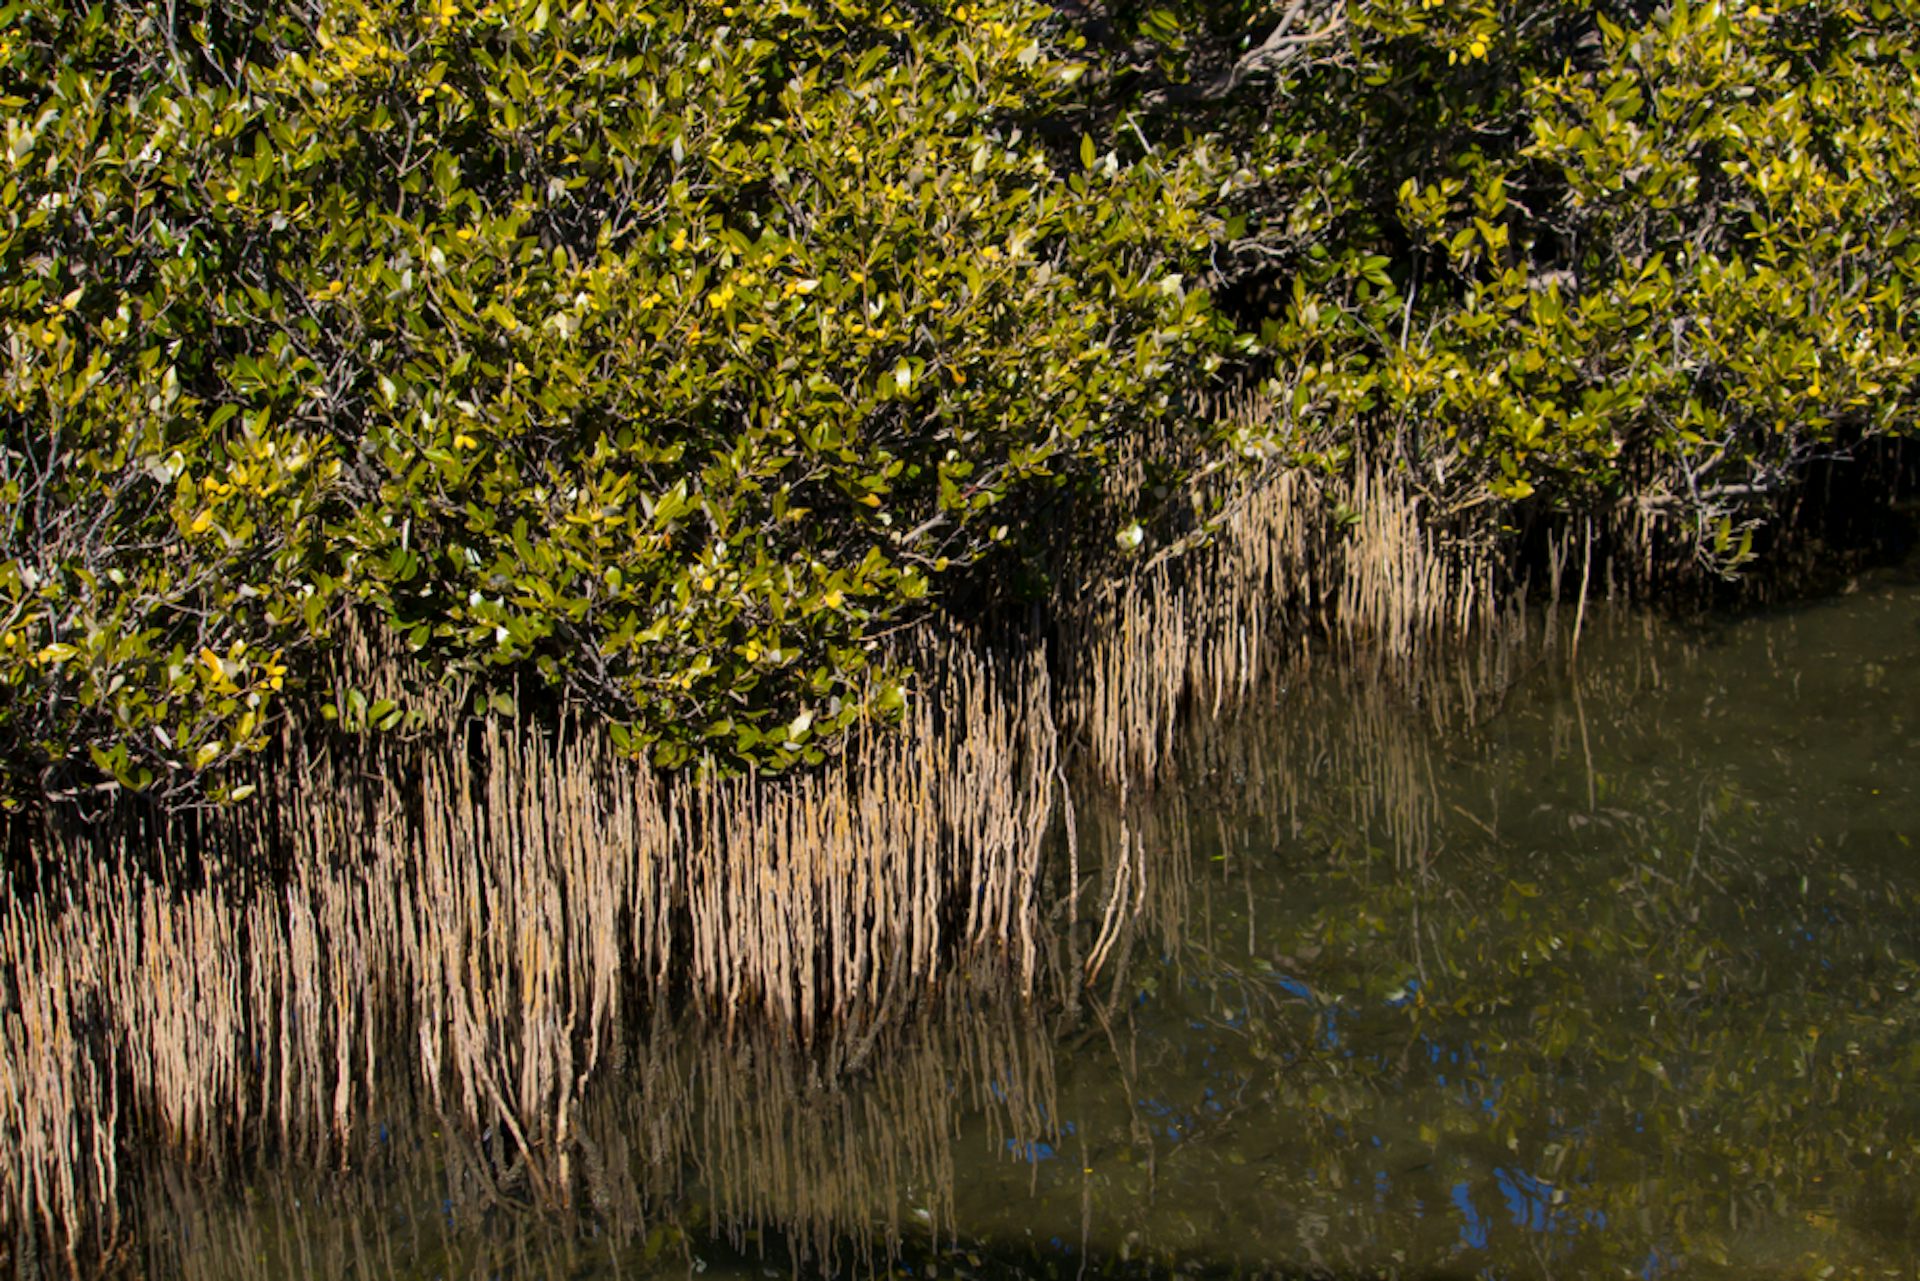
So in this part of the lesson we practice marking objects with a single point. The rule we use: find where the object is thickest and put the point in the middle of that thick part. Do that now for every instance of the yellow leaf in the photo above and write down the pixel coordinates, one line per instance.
(202, 522)
(216, 669)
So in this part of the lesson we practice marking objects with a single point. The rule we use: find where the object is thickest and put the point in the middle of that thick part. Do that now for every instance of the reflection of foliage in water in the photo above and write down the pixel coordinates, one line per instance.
(1519, 967)
(1585, 973)
(1614, 1056)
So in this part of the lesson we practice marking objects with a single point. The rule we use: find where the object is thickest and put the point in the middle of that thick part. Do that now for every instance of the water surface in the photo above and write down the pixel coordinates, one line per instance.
(1540, 965)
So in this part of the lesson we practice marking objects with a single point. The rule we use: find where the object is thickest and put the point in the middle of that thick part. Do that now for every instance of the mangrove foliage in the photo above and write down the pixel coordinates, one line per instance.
(661, 359)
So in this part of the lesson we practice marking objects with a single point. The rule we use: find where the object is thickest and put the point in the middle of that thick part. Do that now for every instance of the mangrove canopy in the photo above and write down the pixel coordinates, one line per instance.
(664, 357)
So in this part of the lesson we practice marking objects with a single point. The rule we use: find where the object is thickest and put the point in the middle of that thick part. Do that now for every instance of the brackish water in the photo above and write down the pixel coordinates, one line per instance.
(1543, 965)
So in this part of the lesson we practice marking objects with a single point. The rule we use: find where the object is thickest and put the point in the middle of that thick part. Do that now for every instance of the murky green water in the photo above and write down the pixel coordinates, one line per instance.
(1621, 980)
(1544, 967)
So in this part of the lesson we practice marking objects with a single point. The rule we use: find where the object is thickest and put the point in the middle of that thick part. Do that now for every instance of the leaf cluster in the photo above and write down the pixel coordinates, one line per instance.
(667, 354)
(1555, 255)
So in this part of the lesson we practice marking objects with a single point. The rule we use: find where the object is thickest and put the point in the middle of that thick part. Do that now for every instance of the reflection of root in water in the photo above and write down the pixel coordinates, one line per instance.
(693, 1137)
